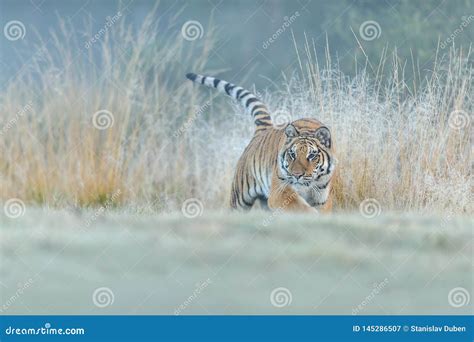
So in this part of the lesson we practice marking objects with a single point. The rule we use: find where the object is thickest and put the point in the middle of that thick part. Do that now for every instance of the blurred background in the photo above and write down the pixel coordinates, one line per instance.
(242, 29)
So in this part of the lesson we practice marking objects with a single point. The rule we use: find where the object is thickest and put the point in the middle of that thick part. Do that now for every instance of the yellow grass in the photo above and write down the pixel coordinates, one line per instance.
(171, 140)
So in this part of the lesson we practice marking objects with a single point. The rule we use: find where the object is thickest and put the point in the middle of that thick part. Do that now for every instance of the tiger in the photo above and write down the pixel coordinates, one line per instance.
(286, 167)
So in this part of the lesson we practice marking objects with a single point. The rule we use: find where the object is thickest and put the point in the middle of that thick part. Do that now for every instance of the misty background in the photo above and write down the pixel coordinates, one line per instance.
(243, 29)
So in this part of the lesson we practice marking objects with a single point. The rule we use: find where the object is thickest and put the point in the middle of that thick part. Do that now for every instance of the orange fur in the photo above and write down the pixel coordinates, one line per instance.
(260, 163)
(288, 168)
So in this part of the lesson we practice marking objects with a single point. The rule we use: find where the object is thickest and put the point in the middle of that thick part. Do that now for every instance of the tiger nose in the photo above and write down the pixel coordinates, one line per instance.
(298, 175)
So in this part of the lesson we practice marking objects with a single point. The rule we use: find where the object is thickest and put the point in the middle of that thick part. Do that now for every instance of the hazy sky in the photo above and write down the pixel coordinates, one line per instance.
(254, 36)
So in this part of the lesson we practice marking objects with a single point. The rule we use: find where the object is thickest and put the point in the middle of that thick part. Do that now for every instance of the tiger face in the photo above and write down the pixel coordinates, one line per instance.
(306, 159)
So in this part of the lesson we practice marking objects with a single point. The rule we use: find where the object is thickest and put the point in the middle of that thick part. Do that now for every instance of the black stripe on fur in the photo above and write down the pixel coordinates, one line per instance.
(251, 100)
(260, 111)
(265, 118)
(228, 88)
(191, 76)
(259, 122)
(243, 95)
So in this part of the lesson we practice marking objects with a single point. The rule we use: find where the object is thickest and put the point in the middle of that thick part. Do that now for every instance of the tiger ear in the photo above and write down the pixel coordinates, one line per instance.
(324, 136)
(291, 131)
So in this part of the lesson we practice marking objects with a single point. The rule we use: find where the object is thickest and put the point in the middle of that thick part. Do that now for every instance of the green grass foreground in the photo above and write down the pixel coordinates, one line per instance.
(57, 262)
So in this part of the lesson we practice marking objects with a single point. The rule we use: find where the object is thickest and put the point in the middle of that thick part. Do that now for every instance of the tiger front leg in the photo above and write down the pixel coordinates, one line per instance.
(326, 208)
(283, 197)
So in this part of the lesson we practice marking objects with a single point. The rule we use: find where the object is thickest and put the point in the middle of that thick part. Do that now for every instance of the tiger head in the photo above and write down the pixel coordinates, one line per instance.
(306, 156)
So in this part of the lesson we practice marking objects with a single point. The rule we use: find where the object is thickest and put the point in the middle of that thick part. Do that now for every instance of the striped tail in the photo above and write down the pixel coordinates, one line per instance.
(252, 104)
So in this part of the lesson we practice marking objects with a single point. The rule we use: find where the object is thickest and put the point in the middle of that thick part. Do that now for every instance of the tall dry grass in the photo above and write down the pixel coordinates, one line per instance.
(405, 141)
(170, 141)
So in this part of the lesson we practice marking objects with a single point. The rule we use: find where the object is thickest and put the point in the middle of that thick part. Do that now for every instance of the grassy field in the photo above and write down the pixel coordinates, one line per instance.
(89, 262)
(103, 143)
